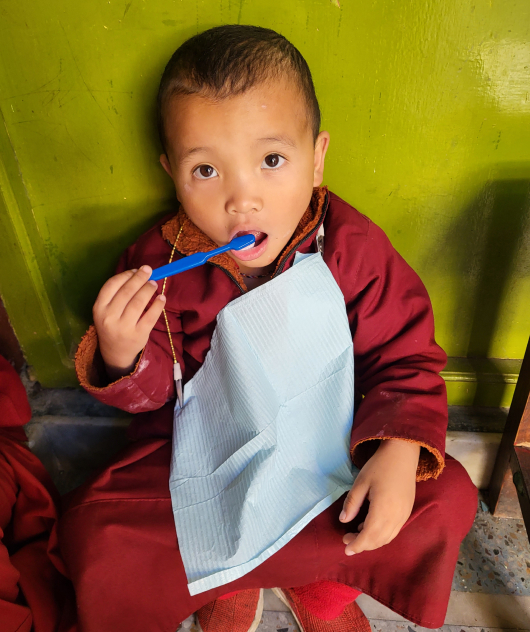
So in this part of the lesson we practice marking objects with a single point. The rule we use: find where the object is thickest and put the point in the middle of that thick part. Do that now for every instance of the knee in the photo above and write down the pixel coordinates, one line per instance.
(454, 496)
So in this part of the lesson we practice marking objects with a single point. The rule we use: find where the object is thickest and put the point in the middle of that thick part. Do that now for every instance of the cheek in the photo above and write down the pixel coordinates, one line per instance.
(203, 210)
(195, 199)
(294, 222)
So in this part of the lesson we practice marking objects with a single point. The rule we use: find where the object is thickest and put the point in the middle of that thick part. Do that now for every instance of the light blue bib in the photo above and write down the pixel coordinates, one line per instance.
(261, 445)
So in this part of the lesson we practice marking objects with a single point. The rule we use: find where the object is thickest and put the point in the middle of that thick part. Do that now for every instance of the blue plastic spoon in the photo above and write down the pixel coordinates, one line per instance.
(193, 261)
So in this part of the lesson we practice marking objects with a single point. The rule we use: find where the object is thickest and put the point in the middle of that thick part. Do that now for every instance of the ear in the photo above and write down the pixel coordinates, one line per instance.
(164, 161)
(321, 147)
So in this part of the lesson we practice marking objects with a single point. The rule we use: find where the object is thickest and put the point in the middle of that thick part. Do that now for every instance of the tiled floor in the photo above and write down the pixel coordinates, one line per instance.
(494, 557)
(390, 626)
(470, 610)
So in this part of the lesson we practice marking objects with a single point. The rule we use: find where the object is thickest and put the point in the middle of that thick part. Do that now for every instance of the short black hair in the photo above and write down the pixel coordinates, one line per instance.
(228, 60)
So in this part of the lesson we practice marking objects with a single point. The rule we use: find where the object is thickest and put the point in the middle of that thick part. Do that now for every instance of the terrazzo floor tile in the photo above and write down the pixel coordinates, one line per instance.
(284, 622)
(271, 621)
(277, 622)
(396, 626)
(494, 557)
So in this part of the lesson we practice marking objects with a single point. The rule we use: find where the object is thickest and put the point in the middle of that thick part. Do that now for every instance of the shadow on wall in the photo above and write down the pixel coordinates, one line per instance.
(507, 202)
(487, 249)
(118, 231)
(120, 226)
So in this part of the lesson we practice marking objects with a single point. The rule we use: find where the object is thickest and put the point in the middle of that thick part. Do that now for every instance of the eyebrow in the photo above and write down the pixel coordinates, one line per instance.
(283, 140)
(192, 150)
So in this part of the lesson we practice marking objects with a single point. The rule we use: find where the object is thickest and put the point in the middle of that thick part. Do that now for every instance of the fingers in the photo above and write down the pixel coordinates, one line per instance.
(134, 308)
(378, 529)
(388, 481)
(122, 322)
(369, 539)
(354, 500)
(351, 537)
(123, 299)
(349, 540)
(137, 290)
(112, 286)
(151, 316)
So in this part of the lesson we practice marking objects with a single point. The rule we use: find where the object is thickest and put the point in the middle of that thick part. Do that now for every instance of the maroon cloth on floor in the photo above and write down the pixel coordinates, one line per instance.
(33, 595)
(118, 539)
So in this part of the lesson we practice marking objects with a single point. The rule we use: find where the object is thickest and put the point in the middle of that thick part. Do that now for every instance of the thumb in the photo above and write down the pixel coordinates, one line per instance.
(354, 500)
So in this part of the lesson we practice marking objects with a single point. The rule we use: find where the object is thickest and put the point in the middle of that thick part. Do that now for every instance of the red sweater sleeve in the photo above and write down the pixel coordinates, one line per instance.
(151, 383)
(397, 361)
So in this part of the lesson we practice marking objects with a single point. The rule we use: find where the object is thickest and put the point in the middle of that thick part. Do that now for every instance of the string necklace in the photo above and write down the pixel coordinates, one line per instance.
(177, 373)
(255, 276)
(248, 276)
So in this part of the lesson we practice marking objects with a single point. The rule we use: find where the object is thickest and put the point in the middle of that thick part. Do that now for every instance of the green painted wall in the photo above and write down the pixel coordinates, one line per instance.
(427, 103)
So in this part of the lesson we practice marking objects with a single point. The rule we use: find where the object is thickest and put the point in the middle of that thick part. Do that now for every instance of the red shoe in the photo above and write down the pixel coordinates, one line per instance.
(352, 618)
(240, 613)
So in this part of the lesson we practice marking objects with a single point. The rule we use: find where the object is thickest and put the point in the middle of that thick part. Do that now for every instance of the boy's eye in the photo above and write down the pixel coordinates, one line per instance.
(272, 161)
(205, 172)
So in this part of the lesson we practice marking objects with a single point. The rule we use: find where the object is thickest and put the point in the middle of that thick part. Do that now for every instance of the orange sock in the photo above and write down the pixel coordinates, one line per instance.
(326, 600)
(231, 594)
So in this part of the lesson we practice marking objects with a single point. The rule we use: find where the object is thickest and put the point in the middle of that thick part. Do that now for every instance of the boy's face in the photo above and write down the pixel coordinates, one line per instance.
(245, 164)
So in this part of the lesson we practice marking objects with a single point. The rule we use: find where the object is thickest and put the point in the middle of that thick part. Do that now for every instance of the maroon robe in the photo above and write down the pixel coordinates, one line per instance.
(118, 535)
(33, 594)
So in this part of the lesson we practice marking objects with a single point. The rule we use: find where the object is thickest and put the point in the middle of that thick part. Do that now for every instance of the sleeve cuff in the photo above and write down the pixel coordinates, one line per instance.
(90, 367)
(430, 465)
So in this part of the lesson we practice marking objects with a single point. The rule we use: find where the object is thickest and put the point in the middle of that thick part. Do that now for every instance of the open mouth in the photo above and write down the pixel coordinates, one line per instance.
(258, 235)
(251, 252)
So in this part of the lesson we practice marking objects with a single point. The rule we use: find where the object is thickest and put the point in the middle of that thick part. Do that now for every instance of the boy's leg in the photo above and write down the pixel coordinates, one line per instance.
(413, 574)
(118, 538)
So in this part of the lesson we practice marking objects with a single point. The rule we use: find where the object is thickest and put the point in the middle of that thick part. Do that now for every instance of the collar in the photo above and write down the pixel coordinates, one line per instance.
(193, 240)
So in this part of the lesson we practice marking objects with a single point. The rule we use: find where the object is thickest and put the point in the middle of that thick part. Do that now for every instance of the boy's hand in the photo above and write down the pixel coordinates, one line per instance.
(388, 481)
(122, 329)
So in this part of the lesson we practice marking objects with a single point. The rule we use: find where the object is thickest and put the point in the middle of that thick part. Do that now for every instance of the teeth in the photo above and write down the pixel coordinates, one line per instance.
(248, 247)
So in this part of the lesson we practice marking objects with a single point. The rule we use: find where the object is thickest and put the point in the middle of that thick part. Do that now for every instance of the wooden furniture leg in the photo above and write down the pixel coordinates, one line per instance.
(513, 459)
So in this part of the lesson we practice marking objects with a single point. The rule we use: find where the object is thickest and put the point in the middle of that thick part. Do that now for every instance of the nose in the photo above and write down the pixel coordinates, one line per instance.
(243, 198)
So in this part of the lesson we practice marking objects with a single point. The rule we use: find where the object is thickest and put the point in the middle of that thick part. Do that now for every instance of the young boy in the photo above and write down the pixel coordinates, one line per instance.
(240, 127)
